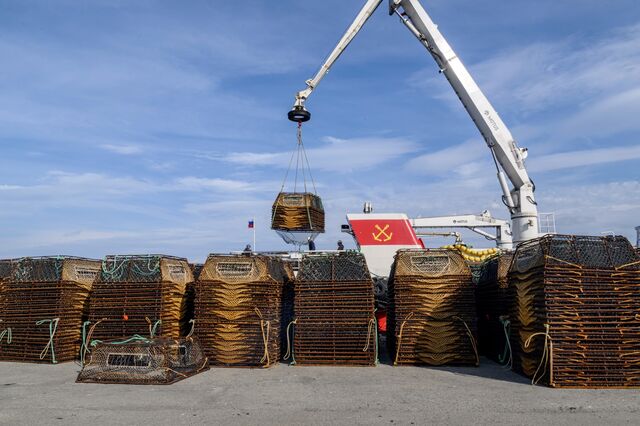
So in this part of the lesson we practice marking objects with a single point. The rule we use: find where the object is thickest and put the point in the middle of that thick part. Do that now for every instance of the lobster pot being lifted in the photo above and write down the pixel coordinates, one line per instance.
(44, 301)
(296, 217)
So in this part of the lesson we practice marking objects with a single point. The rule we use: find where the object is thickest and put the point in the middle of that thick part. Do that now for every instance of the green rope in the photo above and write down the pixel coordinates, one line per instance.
(6, 332)
(153, 329)
(53, 326)
(132, 339)
(83, 345)
(506, 326)
(150, 271)
(116, 269)
(290, 349)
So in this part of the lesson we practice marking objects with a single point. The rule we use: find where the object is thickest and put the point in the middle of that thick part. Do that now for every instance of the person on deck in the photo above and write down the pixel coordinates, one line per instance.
(312, 244)
(247, 250)
(340, 245)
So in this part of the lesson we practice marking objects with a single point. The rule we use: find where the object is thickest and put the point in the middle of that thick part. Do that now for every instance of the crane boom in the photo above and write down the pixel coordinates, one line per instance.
(508, 157)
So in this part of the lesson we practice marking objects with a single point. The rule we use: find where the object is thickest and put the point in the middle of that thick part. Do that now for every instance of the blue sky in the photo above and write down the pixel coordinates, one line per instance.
(159, 126)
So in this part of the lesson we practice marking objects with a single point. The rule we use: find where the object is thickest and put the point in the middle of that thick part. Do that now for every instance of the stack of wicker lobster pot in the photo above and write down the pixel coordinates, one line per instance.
(575, 320)
(45, 303)
(493, 306)
(432, 312)
(145, 295)
(334, 311)
(297, 212)
(238, 309)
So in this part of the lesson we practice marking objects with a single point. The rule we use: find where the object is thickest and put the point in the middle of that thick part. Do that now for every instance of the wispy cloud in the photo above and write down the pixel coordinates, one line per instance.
(122, 149)
(336, 155)
(567, 160)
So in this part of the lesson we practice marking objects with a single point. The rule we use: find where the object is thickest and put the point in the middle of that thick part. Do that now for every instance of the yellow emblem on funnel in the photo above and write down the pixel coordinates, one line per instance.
(382, 236)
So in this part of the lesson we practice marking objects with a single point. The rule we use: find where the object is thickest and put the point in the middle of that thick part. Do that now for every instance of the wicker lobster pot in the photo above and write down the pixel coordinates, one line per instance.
(432, 312)
(493, 300)
(146, 294)
(334, 311)
(141, 361)
(45, 302)
(297, 212)
(238, 309)
(574, 320)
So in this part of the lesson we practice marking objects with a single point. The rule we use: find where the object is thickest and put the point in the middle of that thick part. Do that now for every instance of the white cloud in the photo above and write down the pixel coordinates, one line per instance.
(192, 183)
(122, 149)
(464, 159)
(536, 76)
(336, 155)
(566, 160)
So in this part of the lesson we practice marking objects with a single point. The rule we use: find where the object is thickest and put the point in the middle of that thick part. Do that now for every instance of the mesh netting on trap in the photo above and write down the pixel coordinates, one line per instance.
(574, 317)
(334, 312)
(493, 298)
(431, 313)
(239, 309)
(142, 361)
(136, 294)
(44, 301)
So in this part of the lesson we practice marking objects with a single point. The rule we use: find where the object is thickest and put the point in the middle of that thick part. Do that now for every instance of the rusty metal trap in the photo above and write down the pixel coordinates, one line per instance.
(141, 361)
(238, 309)
(574, 315)
(493, 306)
(44, 301)
(334, 312)
(432, 313)
(143, 294)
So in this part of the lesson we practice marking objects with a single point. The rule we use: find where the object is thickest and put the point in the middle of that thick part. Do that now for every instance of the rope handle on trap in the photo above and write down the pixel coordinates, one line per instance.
(53, 326)
(399, 344)
(506, 327)
(6, 332)
(373, 327)
(547, 355)
(290, 349)
(265, 337)
(193, 327)
(471, 338)
(152, 329)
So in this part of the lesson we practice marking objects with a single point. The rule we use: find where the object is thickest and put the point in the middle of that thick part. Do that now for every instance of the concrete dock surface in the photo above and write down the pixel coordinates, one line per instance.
(285, 395)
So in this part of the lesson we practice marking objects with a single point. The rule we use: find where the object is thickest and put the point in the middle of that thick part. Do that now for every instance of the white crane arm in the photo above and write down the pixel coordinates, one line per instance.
(475, 223)
(508, 156)
(299, 113)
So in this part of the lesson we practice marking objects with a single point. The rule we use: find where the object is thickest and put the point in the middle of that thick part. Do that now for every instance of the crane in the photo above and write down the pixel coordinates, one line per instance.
(508, 157)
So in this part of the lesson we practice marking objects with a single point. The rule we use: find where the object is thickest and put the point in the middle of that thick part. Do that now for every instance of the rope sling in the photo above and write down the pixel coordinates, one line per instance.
(302, 170)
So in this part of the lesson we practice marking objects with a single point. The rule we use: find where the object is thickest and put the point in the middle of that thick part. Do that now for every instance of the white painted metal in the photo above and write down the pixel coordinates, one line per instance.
(546, 223)
(519, 200)
(638, 237)
(475, 223)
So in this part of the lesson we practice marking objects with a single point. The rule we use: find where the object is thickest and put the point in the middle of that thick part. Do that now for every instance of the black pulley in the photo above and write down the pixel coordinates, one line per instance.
(299, 114)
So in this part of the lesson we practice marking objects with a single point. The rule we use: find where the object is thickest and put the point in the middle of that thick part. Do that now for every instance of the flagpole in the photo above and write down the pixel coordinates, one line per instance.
(254, 233)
